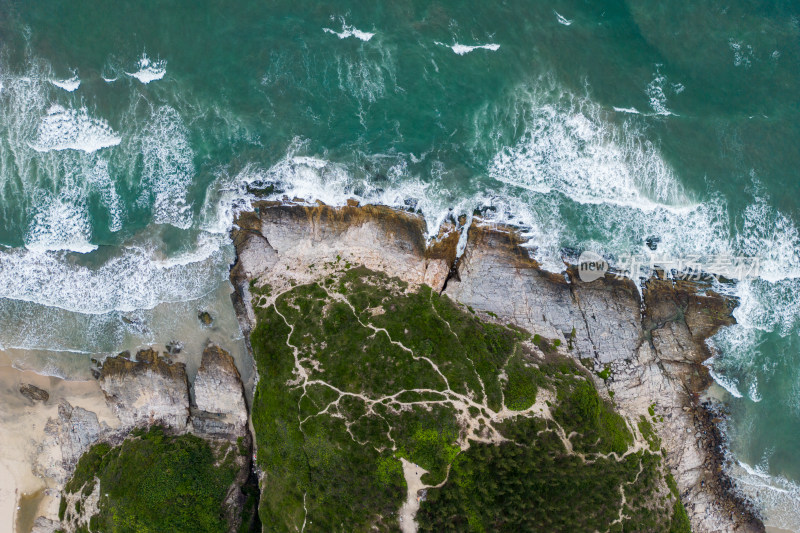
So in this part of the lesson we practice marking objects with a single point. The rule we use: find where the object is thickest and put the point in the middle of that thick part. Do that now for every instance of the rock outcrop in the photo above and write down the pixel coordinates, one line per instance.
(34, 393)
(652, 342)
(146, 391)
(294, 244)
(219, 396)
(653, 350)
(68, 436)
(43, 525)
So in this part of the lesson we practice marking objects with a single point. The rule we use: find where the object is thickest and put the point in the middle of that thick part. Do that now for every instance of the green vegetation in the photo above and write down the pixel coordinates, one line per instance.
(522, 383)
(358, 372)
(605, 373)
(649, 434)
(597, 426)
(155, 482)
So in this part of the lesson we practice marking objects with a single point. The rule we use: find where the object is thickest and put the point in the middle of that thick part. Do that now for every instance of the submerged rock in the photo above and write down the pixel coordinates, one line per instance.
(205, 318)
(174, 347)
(34, 393)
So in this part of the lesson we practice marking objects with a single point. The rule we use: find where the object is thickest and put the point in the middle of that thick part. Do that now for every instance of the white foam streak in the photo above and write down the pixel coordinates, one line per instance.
(742, 53)
(729, 384)
(168, 167)
(462, 49)
(135, 279)
(776, 496)
(68, 85)
(350, 31)
(657, 92)
(569, 148)
(561, 19)
(59, 224)
(149, 70)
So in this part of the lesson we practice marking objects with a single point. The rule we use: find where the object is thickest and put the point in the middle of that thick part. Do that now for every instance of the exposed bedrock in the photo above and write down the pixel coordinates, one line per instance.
(219, 396)
(653, 349)
(146, 390)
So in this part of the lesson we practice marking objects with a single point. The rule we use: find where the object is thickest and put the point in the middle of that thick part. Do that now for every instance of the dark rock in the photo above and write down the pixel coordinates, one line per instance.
(34, 393)
(174, 347)
(205, 318)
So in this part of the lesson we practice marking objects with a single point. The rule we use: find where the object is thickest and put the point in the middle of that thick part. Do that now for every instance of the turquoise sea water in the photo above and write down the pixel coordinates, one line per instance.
(130, 131)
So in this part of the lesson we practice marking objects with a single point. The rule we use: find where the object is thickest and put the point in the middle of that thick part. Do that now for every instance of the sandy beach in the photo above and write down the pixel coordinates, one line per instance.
(25, 494)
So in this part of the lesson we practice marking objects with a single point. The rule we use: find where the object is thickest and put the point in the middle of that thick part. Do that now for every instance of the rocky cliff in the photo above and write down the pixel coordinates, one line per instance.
(647, 346)
(652, 349)
(143, 391)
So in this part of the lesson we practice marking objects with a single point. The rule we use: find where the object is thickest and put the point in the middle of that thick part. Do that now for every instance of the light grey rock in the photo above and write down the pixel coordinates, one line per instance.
(219, 395)
(67, 437)
(653, 348)
(147, 391)
(45, 525)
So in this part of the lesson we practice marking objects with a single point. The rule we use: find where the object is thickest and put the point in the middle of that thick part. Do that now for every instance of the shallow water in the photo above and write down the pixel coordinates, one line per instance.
(129, 134)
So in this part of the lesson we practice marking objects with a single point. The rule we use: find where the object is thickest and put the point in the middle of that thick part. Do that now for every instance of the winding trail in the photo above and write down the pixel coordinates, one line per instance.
(479, 428)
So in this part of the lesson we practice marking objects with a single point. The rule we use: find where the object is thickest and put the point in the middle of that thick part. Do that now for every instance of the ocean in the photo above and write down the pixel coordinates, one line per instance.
(131, 132)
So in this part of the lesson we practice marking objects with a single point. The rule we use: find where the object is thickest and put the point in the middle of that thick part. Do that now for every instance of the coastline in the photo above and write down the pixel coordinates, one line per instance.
(286, 233)
(497, 276)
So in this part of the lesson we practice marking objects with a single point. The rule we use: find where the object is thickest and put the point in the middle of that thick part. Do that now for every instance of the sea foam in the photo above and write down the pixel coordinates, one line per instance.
(561, 19)
(168, 167)
(350, 31)
(70, 129)
(136, 278)
(462, 49)
(59, 224)
(149, 70)
(68, 85)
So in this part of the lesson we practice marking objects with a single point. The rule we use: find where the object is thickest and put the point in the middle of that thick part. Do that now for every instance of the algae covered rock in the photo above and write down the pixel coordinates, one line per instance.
(34, 393)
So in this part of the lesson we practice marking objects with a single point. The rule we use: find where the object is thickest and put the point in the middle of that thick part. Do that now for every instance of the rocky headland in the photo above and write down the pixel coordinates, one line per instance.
(146, 391)
(641, 347)
(644, 345)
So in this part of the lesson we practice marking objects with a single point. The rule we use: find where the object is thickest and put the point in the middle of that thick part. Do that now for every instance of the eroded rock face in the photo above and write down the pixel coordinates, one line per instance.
(68, 437)
(219, 396)
(150, 390)
(146, 391)
(301, 238)
(654, 355)
(496, 274)
(43, 525)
